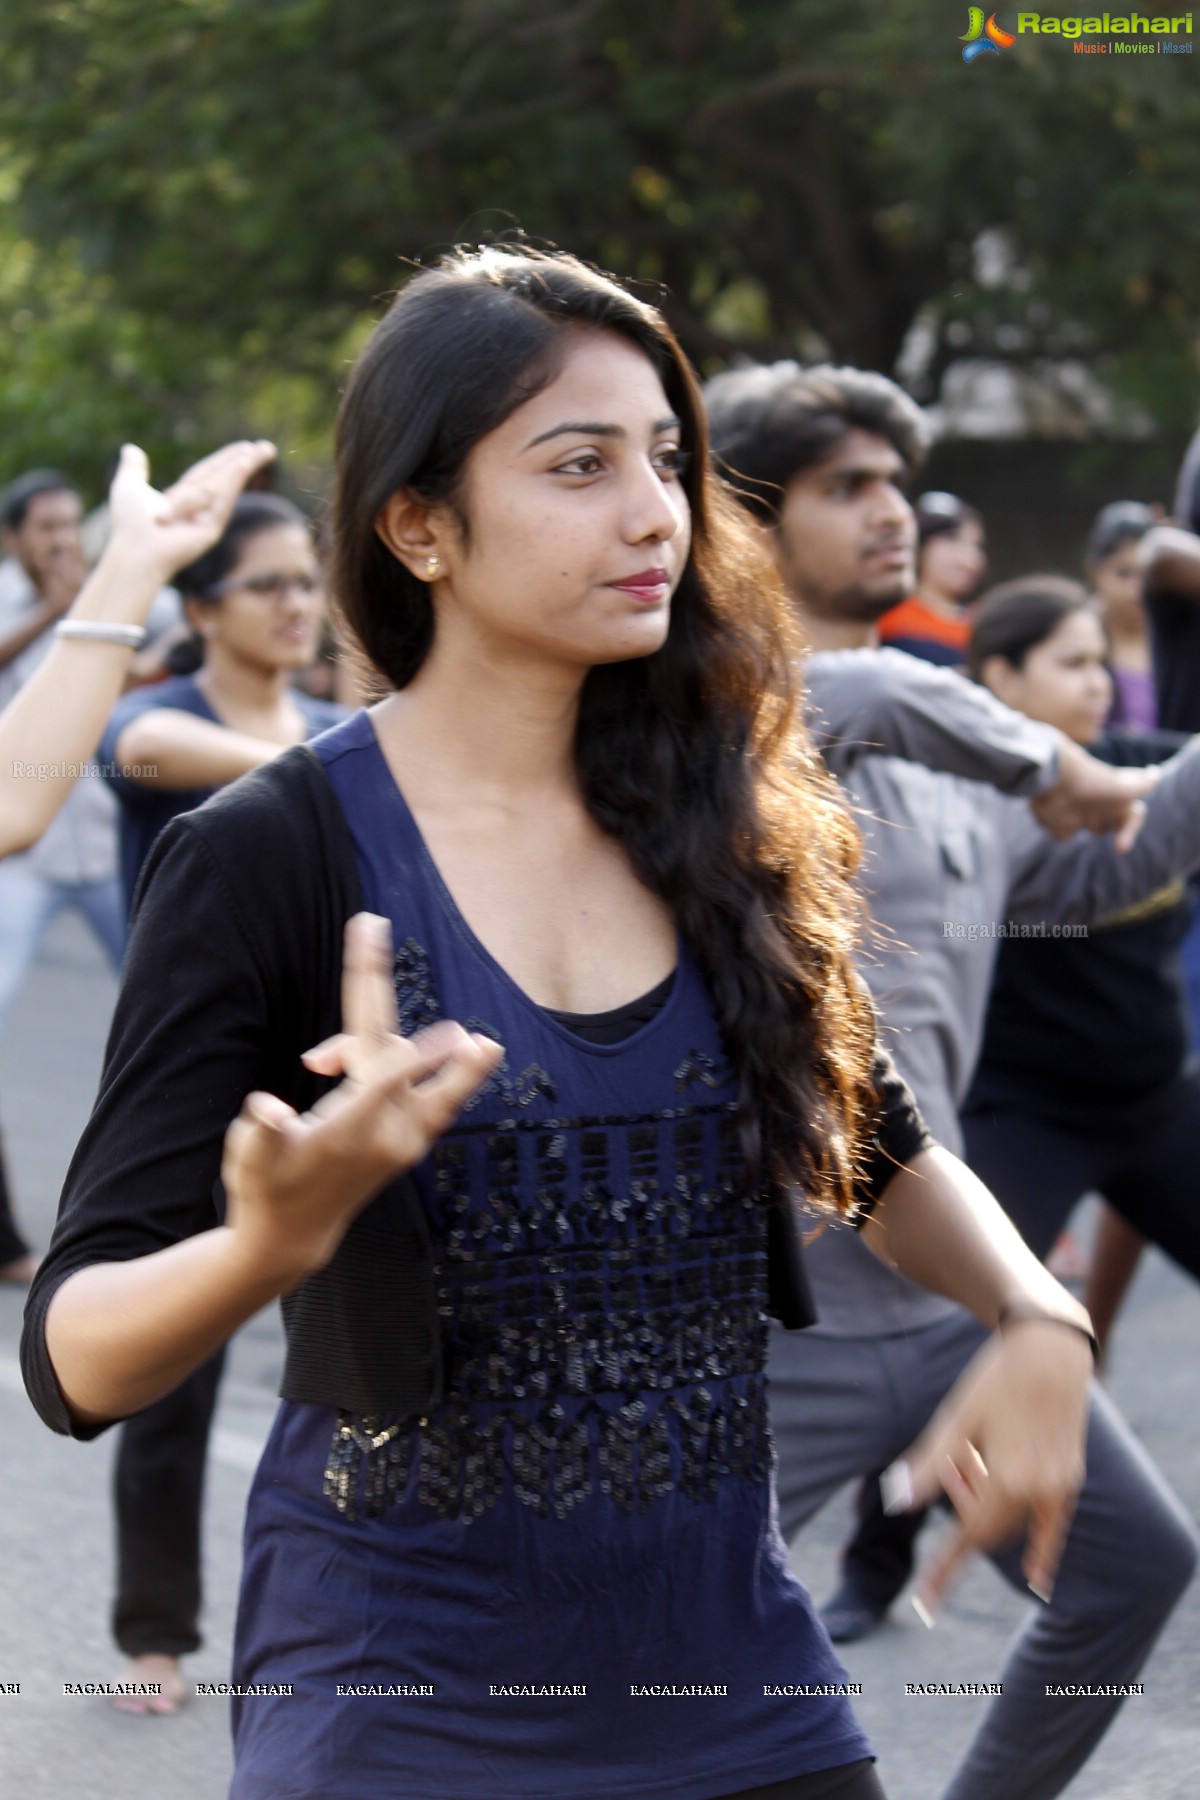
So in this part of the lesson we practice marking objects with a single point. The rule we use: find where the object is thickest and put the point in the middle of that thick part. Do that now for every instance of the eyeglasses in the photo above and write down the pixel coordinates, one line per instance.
(268, 587)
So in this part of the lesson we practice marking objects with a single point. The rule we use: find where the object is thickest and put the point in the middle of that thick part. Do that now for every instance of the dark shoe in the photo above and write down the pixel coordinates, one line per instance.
(849, 1614)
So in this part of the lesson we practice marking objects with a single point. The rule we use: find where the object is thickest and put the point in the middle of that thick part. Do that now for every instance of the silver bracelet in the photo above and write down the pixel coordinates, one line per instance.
(99, 631)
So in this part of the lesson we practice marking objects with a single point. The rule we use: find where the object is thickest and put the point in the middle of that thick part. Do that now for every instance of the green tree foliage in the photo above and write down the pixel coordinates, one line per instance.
(242, 180)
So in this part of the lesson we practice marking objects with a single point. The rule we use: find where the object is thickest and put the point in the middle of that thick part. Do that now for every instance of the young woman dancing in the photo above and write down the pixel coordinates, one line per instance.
(512, 1534)
(1086, 1080)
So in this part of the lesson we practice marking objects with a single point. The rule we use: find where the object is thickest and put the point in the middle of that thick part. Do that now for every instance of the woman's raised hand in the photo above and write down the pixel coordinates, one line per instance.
(163, 532)
(296, 1181)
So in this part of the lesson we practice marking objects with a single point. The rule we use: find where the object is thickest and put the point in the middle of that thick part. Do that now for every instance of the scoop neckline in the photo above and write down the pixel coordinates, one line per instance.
(480, 951)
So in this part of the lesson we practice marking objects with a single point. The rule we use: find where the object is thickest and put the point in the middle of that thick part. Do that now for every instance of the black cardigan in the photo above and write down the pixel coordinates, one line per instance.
(233, 970)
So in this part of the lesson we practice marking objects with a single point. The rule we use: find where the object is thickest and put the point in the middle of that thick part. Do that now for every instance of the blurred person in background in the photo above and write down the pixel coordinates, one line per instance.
(1113, 569)
(255, 603)
(1112, 565)
(821, 456)
(951, 563)
(53, 723)
(73, 864)
(1086, 1080)
(41, 514)
(1169, 555)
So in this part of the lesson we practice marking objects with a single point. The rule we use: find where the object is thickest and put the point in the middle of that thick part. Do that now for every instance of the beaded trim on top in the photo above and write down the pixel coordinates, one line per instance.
(601, 1293)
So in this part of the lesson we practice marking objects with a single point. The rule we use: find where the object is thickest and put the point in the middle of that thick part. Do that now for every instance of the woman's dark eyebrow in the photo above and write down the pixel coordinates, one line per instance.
(594, 428)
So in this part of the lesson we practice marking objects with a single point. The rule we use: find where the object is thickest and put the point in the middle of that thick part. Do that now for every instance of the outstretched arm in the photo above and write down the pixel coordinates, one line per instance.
(57, 719)
(164, 748)
(1089, 878)
(883, 701)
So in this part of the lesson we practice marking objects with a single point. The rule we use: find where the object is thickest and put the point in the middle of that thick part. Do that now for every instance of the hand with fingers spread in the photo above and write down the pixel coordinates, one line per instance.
(57, 719)
(1007, 1447)
(162, 532)
(295, 1182)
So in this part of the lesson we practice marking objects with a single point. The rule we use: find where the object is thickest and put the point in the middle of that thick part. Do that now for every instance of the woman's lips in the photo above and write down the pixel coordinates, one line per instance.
(651, 586)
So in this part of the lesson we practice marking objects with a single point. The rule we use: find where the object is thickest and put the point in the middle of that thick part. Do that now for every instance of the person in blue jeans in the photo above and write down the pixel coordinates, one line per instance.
(255, 602)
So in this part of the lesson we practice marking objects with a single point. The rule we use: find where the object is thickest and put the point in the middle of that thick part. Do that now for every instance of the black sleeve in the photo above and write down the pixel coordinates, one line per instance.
(900, 1133)
(189, 1040)
(1125, 747)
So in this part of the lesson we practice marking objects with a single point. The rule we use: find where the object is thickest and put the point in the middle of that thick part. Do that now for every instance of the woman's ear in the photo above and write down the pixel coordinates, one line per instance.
(998, 674)
(200, 616)
(414, 533)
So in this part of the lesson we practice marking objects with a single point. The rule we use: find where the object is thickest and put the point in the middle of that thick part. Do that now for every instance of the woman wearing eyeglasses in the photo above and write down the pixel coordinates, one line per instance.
(255, 603)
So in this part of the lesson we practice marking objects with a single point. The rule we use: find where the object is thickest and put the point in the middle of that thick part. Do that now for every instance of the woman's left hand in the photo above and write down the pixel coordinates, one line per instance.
(1008, 1447)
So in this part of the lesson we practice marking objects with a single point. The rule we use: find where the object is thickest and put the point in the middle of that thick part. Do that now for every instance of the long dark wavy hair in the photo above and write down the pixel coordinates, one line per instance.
(694, 758)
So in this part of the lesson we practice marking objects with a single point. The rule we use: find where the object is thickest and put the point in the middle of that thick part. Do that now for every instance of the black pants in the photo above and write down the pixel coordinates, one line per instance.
(12, 1244)
(159, 1491)
(852, 1781)
(1142, 1156)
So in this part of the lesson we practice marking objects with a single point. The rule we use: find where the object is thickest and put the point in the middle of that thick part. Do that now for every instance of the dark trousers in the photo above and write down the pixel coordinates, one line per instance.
(1140, 1155)
(853, 1781)
(12, 1244)
(158, 1492)
(843, 1406)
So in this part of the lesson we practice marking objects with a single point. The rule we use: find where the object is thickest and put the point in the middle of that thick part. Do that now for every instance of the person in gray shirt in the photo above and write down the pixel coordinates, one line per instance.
(953, 857)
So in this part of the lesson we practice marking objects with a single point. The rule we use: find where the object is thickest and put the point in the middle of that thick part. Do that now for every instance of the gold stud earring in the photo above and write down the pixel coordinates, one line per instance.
(432, 565)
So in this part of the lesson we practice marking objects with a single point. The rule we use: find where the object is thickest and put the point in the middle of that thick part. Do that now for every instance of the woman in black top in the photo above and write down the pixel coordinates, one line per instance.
(588, 775)
(1085, 1080)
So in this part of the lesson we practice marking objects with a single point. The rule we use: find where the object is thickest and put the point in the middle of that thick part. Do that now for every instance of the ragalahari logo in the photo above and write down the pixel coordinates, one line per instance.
(981, 39)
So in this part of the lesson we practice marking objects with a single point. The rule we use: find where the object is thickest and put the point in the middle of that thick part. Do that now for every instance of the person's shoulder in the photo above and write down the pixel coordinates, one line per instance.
(320, 715)
(178, 693)
(266, 838)
(1166, 607)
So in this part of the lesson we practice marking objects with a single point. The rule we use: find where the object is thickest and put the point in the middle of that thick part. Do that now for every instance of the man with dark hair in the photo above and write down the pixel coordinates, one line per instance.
(40, 514)
(947, 859)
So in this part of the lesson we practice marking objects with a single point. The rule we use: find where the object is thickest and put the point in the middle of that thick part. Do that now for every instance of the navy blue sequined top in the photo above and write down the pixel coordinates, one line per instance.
(567, 1580)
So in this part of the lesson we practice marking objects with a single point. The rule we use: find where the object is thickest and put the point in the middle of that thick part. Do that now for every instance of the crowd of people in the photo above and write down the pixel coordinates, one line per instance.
(653, 1053)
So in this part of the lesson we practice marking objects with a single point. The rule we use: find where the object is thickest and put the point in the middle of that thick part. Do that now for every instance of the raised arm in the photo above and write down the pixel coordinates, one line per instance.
(865, 701)
(57, 719)
(1169, 559)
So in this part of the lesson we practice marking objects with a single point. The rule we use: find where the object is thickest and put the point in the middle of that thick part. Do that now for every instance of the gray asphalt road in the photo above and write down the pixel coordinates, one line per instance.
(55, 1555)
